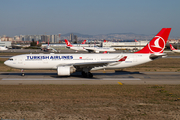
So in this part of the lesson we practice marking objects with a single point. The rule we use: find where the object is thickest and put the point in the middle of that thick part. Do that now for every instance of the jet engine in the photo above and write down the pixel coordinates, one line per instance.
(96, 51)
(65, 70)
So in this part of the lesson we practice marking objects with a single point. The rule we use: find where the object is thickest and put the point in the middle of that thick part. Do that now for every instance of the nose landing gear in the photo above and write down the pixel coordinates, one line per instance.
(22, 73)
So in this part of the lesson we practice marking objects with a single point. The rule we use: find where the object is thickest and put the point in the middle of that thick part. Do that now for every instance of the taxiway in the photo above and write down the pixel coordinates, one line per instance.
(131, 78)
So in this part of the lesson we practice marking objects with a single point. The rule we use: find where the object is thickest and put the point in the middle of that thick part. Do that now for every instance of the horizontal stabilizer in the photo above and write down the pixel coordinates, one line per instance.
(157, 55)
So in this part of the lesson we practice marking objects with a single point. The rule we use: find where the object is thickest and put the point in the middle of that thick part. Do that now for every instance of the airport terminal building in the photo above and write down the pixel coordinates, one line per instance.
(5, 43)
(126, 45)
(116, 45)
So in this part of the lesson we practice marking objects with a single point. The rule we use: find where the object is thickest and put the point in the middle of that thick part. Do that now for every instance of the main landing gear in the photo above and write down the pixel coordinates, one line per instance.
(87, 74)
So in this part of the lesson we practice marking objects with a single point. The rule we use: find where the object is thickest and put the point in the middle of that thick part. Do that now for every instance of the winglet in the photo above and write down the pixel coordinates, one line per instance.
(157, 44)
(68, 44)
(123, 59)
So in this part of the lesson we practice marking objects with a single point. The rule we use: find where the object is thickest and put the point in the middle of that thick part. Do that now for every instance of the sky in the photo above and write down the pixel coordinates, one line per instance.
(92, 17)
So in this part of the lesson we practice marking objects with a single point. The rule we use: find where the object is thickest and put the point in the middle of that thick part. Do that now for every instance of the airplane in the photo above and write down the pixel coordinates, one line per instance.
(173, 49)
(50, 48)
(47, 48)
(76, 48)
(65, 64)
(88, 49)
(2, 48)
(99, 49)
(135, 40)
(82, 44)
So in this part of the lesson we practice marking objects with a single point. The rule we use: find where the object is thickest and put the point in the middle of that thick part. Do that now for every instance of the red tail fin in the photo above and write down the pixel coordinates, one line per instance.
(83, 42)
(104, 52)
(157, 44)
(172, 48)
(135, 40)
(68, 44)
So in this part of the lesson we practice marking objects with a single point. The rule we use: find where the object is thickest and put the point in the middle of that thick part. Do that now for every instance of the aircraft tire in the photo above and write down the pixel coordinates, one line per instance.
(84, 74)
(87, 75)
(22, 74)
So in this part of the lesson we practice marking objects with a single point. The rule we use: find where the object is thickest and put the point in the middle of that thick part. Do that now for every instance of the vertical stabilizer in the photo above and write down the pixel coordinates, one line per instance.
(172, 48)
(157, 44)
(83, 42)
(68, 44)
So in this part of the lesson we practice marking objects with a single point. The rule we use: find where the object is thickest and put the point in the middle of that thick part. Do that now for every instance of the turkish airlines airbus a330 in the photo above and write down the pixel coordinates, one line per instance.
(65, 64)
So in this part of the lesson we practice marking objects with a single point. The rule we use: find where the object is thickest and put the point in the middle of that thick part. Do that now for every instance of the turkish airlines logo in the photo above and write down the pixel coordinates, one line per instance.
(157, 44)
(68, 43)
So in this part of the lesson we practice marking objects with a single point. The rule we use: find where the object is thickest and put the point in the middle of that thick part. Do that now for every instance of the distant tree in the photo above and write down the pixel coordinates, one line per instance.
(33, 43)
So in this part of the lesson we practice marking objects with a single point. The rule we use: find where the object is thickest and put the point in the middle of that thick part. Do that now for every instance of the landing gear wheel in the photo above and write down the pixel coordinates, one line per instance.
(84, 74)
(87, 75)
(22, 74)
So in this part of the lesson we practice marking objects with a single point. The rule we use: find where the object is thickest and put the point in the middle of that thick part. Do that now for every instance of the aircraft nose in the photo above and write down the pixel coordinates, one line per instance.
(6, 62)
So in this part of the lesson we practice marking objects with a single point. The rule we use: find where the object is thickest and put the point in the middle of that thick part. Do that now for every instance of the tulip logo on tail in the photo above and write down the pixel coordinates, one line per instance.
(157, 44)
(172, 48)
(68, 43)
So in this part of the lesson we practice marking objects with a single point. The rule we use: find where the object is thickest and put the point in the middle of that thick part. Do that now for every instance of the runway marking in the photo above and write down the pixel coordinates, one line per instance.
(120, 79)
(120, 83)
(71, 79)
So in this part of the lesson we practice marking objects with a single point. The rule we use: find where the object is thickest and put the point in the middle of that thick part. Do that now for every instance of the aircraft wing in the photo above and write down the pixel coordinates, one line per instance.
(94, 64)
(89, 50)
(98, 49)
(54, 49)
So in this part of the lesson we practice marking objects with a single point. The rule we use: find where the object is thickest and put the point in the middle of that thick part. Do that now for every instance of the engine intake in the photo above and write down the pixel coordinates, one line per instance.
(65, 70)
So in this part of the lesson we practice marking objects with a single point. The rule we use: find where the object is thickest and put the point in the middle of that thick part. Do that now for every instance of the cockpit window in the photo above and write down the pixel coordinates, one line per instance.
(11, 59)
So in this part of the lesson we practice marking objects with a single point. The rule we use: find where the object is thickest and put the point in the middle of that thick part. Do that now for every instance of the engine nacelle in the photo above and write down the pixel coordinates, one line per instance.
(65, 70)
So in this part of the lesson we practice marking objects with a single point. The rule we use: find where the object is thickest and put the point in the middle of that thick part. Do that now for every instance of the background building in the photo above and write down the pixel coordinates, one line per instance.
(53, 38)
(71, 37)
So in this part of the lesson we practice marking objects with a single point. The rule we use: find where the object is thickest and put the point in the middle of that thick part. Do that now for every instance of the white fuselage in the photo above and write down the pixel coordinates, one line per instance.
(100, 49)
(176, 51)
(78, 48)
(3, 48)
(52, 61)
